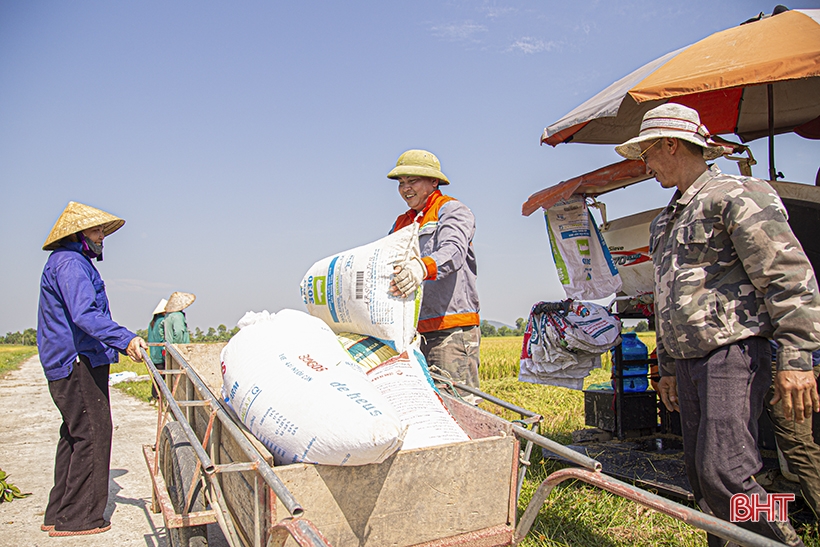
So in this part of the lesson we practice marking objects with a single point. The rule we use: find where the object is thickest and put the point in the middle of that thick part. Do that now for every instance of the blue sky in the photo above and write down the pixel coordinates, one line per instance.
(243, 141)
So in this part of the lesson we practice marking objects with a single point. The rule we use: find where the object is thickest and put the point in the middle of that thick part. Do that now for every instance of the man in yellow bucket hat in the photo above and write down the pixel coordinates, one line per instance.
(77, 340)
(448, 319)
(156, 335)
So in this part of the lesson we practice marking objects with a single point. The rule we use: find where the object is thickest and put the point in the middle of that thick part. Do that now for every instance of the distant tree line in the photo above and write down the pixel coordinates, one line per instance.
(218, 334)
(26, 338)
(490, 330)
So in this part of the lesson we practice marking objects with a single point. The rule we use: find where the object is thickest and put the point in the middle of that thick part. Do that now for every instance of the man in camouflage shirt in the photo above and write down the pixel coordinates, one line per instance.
(729, 275)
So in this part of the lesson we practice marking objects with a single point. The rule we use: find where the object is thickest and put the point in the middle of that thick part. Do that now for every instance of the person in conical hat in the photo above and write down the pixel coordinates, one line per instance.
(75, 219)
(77, 341)
(156, 335)
(176, 325)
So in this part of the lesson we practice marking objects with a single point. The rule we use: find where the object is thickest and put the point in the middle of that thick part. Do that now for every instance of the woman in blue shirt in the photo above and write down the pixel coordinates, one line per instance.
(77, 341)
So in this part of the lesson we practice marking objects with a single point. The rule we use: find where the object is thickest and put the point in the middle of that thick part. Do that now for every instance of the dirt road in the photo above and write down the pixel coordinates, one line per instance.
(29, 429)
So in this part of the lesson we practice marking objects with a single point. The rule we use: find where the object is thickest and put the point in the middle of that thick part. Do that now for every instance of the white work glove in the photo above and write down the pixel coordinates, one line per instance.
(409, 275)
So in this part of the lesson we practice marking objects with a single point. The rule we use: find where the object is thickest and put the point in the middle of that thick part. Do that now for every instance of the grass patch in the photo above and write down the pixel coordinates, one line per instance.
(142, 389)
(577, 514)
(11, 356)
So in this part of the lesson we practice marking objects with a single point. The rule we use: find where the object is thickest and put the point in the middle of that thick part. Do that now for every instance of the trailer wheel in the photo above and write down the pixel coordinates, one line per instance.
(178, 461)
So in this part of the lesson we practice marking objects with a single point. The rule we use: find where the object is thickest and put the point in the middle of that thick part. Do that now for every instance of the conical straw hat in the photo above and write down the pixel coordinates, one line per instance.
(78, 217)
(179, 301)
(160, 307)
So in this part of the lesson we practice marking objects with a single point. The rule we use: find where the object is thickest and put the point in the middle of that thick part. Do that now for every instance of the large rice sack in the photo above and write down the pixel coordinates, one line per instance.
(350, 291)
(298, 391)
(406, 384)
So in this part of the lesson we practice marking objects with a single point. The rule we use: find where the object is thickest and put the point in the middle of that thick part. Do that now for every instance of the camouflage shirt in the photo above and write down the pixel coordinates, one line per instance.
(728, 267)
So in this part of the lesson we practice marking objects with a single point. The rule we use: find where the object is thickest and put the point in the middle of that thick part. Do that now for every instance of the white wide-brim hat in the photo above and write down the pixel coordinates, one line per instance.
(178, 301)
(675, 121)
(160, 307)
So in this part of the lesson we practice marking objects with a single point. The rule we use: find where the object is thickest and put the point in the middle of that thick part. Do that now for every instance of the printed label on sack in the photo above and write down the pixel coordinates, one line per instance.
(405, 383)
(331, 293)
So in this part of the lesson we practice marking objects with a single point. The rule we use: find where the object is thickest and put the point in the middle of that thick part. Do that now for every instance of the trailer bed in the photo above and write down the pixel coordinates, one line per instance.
(461, 493)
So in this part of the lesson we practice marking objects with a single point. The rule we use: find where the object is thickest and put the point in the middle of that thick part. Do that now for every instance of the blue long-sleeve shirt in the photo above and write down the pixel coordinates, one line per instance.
(73, 316)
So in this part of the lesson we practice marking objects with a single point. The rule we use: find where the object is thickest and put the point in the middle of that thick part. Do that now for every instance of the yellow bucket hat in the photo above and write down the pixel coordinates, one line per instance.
(420, 163)
(178, 301)
(77, 217)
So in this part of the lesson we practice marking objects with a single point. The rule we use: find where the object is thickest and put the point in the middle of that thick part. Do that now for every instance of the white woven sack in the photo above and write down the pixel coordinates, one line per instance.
(561, 349)
(350, 291)
(585, 267)
(405, 382)
(297, 390)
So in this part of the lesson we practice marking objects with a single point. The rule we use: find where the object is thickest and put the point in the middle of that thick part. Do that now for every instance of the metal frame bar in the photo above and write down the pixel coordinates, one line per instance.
(531, 436)
(302, 530)
(531, 419)
(693, 517)
(166, 507)
(591, 474)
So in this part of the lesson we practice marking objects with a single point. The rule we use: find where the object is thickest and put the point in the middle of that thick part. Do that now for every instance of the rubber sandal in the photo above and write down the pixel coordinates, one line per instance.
(66, 533)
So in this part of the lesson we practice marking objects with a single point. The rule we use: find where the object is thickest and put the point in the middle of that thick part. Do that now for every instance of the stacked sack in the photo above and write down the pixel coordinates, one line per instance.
(347, 384)
(405, 382)
(564, 341)
(298, 391)
(368, 351)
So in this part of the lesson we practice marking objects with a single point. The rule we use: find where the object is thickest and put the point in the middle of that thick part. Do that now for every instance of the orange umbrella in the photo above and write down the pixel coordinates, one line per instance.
(759, 78)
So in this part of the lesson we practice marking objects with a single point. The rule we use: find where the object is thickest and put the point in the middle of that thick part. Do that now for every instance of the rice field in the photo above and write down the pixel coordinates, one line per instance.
(500, 355)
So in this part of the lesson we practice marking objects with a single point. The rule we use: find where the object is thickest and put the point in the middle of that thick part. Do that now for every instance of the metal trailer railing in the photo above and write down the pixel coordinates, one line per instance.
(300, 529)
(590, 473)
(220, 421)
